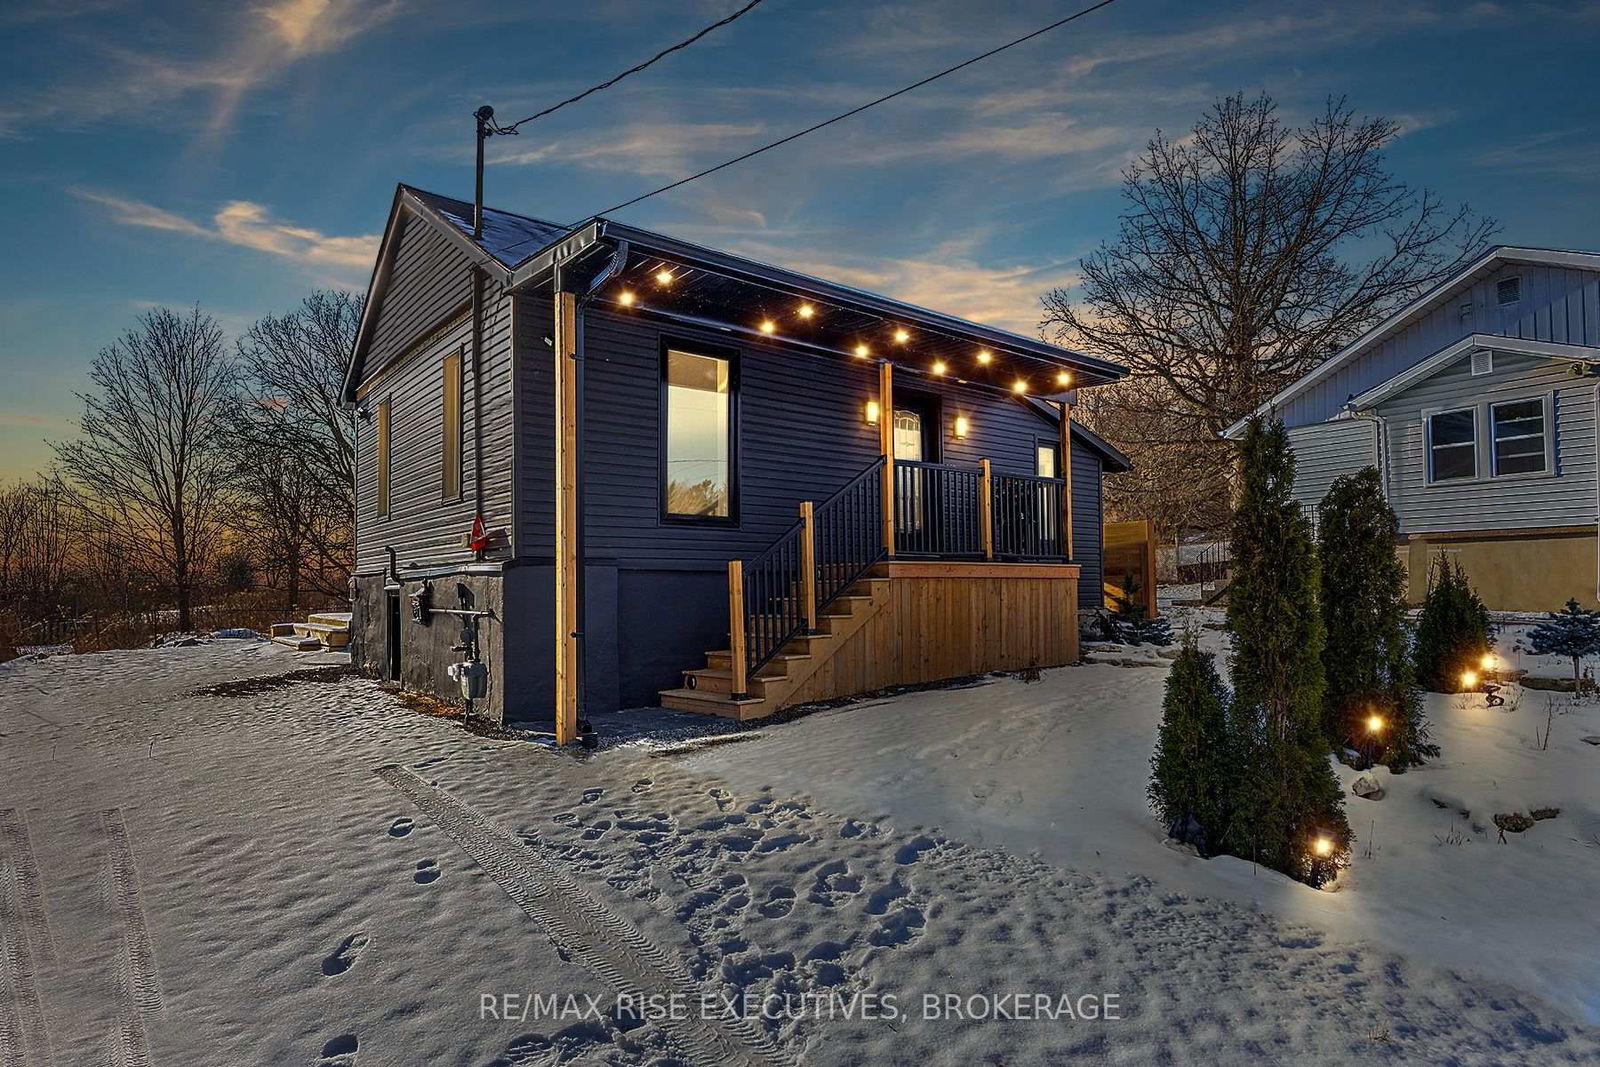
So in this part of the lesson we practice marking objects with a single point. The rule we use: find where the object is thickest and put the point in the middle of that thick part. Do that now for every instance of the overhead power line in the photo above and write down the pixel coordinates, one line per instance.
(631, 70)
(858, 110)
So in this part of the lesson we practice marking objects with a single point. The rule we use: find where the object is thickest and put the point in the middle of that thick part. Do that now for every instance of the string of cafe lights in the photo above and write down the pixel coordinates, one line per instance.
(806, 312)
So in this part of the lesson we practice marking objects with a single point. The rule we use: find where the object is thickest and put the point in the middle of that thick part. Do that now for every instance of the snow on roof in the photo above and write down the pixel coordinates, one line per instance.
(508, 237)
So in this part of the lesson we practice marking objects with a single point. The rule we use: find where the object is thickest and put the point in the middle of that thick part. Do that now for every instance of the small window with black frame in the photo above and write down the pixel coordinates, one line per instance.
(697, 436)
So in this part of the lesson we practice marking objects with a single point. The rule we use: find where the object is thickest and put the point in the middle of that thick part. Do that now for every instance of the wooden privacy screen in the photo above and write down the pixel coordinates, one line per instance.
(1130, 565)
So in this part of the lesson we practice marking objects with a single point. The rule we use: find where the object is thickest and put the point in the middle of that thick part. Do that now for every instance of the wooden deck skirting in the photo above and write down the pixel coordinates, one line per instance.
(908, 622)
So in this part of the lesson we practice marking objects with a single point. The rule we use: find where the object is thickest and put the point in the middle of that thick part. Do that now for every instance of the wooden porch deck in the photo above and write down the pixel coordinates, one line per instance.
(903, 623)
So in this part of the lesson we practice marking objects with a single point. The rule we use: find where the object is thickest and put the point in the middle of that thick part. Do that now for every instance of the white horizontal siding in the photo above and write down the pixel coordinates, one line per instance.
(1566, 497)
(1326, 451)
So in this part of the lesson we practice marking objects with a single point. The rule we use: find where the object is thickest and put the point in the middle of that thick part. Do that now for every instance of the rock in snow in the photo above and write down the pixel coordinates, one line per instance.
(1367, 785)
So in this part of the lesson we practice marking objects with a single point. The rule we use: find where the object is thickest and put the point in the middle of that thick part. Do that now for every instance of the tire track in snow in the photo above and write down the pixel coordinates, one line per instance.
(24, 1038)
(138, 986)
(584, 929)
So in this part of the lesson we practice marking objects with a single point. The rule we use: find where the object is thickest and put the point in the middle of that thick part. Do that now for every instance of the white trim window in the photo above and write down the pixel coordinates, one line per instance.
(1452, 445)
(1519, 435)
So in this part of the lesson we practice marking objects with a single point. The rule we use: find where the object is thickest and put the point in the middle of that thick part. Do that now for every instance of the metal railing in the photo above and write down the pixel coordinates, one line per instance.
(937, 510)
(1027, 517)
(849, 533)
(765, 609)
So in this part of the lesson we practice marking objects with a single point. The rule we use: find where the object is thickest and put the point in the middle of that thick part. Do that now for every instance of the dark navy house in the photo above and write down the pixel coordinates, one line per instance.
(602, 468)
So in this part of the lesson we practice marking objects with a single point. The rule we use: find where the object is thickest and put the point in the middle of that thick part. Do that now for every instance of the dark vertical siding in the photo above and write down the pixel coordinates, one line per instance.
(1087, 523)
(429, 284)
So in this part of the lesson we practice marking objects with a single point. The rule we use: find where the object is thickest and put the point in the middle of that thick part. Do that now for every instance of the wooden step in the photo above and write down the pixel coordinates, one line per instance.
(299, 644)
(722, 660)
(331, 636)
(710, 703)
(715, 680)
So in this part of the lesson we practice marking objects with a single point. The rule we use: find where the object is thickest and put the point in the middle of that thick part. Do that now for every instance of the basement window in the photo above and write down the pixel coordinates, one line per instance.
(697, 435)
(1452, 445)
(1521, 437)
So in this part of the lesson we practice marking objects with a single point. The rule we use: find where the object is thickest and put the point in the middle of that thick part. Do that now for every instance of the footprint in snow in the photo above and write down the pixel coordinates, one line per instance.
(339, 1051)
(643, 785)
(427, 871)
(912, 850)
(722, 797)
(401, 827)
(780, 901)
(591, 795)
(344, 957)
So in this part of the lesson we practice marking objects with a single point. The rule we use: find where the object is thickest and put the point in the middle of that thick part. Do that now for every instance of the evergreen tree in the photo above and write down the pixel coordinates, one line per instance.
(1189, 772)
(1286, 797)
(1453, 630)
(1572, 632)
(1367, 658)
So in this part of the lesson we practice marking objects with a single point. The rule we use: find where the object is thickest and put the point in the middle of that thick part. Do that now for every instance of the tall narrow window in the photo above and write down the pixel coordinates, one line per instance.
(451, 422)
(1453, 445)
(1520, 437)
(382, 465)
(1044, 462)
(697, 436)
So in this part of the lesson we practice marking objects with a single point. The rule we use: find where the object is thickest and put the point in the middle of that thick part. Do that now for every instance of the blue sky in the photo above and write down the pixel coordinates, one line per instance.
(237, 156)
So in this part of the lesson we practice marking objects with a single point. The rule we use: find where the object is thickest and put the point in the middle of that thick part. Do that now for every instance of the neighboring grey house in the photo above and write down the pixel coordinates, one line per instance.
(1477, 405)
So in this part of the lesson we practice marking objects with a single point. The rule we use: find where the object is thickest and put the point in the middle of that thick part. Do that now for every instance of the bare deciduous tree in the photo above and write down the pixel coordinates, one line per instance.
(1252, 250)
(296, 443)
(151, 459)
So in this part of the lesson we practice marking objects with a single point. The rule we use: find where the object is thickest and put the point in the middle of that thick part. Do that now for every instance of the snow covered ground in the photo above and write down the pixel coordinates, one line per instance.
(221, 854)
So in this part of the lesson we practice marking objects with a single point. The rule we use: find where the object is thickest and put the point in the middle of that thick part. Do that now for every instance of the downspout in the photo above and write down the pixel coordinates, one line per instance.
(619, 258)
(1380, 445)
(477, 395)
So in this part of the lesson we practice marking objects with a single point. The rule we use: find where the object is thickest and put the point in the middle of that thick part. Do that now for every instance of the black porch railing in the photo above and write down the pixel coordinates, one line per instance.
(940, 512)
(1027, 517)
(937, 510)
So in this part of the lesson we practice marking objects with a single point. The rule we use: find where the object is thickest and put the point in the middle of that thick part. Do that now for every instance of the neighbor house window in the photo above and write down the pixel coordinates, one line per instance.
(382, 464)
(451, 391)
(1452, 445)
(1521, 436)
(697, 435)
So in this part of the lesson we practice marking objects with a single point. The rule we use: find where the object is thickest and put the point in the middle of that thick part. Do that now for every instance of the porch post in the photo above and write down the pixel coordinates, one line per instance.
(808, 565)
(736, 651)
(986, 507)
(566, 524)
(886, 445)
(1066, 478)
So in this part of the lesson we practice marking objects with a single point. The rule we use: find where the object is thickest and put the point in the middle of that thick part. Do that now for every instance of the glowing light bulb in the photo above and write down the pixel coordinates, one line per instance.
(1488, 661)
(1019, 386)
(1063, 378)
(767, 326)
(664, 277)
(862, 351)
(901, 336)
(806, 311)
(984, 355)
(626, 297)
(1469, 679)
(1322, 846)
(1375, 724)
(938, 366)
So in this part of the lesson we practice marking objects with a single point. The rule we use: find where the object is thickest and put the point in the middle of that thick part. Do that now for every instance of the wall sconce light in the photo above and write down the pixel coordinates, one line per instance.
(961, 427)
(873, 412)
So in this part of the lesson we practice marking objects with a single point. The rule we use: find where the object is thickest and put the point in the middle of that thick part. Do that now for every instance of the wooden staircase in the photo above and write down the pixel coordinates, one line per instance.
(322, 631)
(708, 689)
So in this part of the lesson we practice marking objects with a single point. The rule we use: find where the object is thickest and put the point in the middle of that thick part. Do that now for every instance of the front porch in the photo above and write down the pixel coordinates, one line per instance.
(912, 572)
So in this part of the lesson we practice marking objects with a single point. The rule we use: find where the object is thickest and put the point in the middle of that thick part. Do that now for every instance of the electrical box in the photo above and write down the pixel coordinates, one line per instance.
(422, 604)
(473, 678)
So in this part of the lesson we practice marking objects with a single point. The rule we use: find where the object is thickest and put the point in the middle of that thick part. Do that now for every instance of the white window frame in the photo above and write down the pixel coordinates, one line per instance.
(1546, 401)
(1427, 445)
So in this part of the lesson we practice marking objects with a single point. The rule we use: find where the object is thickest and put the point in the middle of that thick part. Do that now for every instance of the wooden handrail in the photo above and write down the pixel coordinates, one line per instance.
(986, 507)
(736, 655)
(808, 565)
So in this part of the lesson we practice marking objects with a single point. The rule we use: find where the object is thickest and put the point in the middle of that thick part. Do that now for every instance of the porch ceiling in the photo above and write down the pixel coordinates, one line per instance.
(823, 317)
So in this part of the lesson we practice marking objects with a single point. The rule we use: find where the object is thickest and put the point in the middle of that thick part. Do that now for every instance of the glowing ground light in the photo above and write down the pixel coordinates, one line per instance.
(1375, 724)
(1488, 661)
(1469, 679)
(1322, 846)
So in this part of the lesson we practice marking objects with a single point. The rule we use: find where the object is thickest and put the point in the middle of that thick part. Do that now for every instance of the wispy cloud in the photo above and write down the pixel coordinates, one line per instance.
(247, 225)
(255, 48)
(1573, 153)
(951, 276)
(30, 418)
(656, 148)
